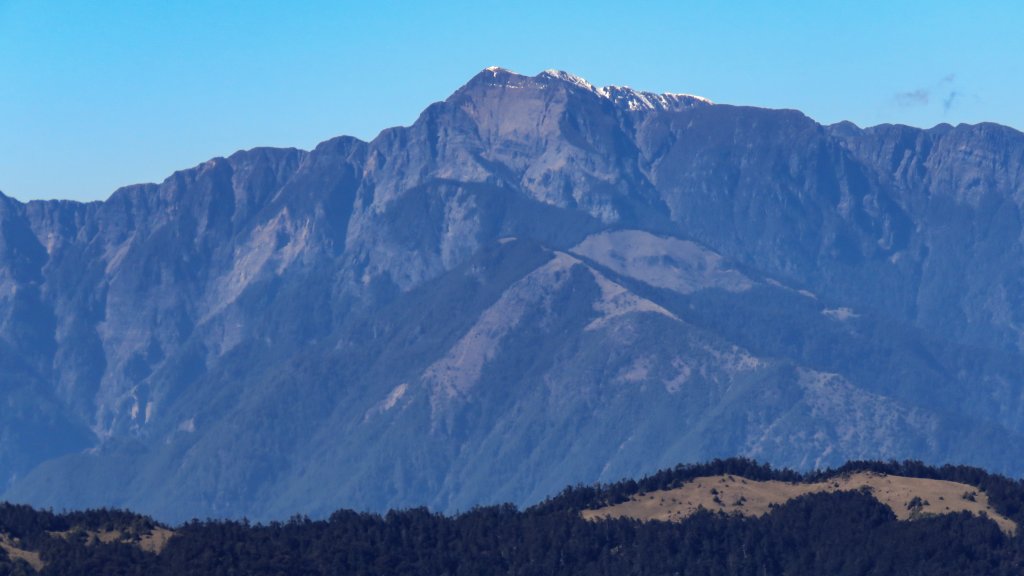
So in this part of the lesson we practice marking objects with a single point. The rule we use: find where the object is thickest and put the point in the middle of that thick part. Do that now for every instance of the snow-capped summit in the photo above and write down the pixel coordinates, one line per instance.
(633, 100)
(624, 96)
(570, 78)
(639, 100)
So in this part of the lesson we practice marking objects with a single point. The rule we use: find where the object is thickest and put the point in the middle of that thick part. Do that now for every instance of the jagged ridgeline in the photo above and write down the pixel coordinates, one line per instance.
(540, 282)
(823, 528)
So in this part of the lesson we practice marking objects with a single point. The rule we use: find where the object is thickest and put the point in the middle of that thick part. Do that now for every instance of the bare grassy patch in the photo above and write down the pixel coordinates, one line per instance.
(909, 498)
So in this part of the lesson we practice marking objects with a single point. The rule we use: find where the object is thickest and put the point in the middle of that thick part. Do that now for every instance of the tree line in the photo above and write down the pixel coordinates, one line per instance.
(843, 533)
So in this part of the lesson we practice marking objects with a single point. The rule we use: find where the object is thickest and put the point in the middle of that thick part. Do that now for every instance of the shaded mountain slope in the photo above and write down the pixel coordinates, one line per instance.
(538, 282)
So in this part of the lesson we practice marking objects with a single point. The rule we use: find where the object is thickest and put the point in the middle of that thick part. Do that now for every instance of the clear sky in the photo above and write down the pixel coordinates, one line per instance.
(99, 94)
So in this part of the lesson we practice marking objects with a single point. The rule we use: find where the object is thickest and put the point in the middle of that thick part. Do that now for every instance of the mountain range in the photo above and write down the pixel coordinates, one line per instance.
(538, 283)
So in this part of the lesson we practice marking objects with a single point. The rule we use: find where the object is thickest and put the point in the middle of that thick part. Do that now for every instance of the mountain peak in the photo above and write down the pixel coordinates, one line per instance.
(569, 78)
(536, 259)
(633, 100)
(623, 96)
(640, 100)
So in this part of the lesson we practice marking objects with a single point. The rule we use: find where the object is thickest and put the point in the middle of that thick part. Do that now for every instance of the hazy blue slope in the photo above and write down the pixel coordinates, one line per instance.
(539, 282)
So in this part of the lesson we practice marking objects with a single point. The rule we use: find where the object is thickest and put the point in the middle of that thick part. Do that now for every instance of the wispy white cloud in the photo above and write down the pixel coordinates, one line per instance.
(947, 102)
(944, 90)
(917, 97)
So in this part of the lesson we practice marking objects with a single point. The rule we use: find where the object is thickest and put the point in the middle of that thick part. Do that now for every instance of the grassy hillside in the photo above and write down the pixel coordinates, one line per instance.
(767, 522)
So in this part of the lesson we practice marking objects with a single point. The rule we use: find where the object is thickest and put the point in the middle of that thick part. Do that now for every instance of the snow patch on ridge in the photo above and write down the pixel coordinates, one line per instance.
(633, 100)
(622, 96)
(637, 100)
(571, 79)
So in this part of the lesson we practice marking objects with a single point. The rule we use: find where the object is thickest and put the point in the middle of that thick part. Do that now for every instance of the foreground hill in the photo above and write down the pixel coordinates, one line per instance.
(822, 531)
(539, 282)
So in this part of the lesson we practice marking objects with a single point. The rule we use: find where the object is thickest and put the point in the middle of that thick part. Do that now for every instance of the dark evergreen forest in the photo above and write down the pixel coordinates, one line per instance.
(843, 533)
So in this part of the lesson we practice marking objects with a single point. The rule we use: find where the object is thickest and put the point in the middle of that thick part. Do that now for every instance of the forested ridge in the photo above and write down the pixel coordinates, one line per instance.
(843, 533)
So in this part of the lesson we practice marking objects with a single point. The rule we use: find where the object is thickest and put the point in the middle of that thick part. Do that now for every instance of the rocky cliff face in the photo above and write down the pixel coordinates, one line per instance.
(540, 282)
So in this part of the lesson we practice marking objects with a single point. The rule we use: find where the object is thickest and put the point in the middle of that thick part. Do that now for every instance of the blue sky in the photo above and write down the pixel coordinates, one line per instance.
(96, 95)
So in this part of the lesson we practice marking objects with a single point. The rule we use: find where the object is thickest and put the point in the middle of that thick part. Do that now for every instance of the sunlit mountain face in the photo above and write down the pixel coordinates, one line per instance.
(539, 283)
